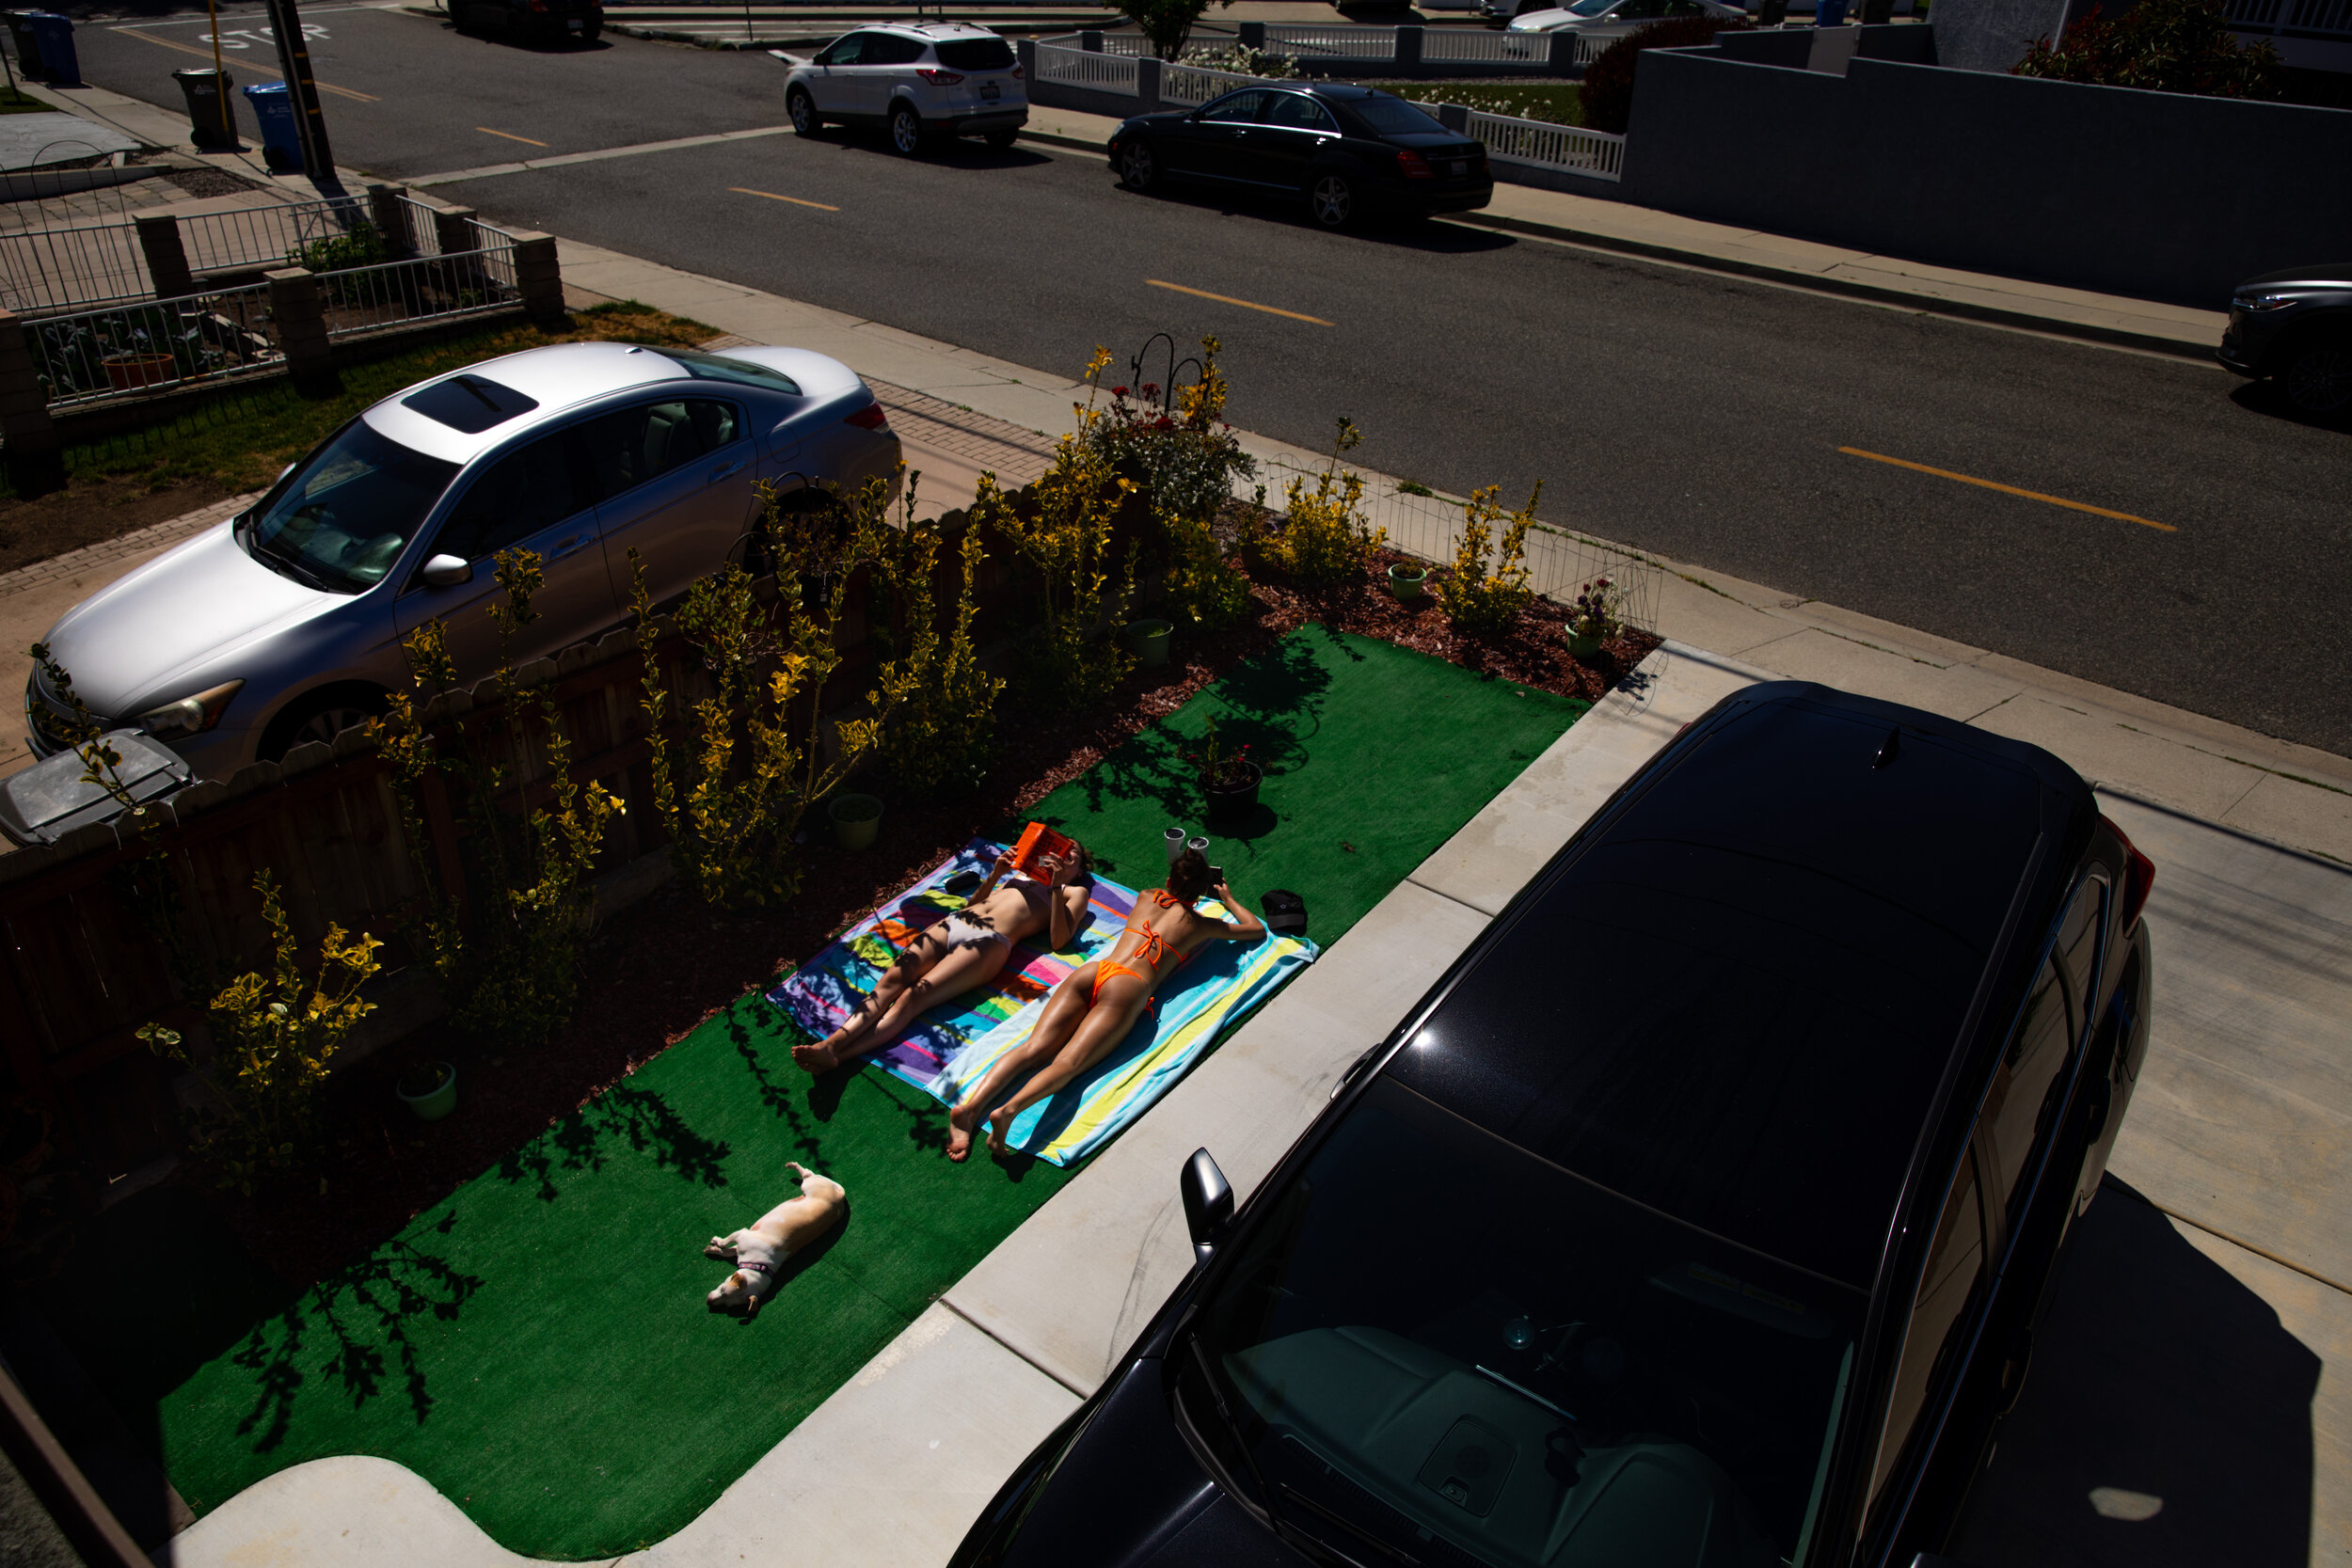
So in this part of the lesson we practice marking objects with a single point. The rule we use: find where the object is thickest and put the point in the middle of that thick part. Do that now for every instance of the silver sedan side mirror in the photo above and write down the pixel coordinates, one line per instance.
(447, 571)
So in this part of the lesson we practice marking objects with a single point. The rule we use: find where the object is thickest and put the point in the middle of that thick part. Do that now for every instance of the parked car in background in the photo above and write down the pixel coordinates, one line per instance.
(916, 80)
(284, 624)
(2296, 327)
(1345, 152)
(1700, 1215)
(529, 19)
(1603, 19)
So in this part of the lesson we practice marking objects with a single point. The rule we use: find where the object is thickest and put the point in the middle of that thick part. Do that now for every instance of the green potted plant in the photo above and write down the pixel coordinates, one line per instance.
(1229, 780)
(1148, 641)
(429, 1088)
(1597, 615)
(856, 819)
(1405, 579)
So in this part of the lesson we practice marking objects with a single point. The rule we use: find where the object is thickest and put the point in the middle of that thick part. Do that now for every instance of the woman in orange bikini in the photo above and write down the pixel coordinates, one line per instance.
(1092, 1010)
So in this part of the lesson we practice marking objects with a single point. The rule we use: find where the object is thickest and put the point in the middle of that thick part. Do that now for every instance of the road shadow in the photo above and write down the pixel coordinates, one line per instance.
(949, 151)
(2166, 1421)
(1428, 235)
(2264, 398)
(534, 46)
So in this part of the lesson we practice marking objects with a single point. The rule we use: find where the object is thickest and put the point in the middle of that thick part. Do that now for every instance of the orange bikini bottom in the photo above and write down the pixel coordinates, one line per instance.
(1106, 968)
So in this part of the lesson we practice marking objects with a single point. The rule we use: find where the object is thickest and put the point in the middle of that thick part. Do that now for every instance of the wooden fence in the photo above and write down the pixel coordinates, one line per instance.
(88, 957)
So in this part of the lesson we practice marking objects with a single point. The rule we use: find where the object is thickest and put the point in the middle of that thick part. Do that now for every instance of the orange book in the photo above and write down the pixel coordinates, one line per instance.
(1038, 841)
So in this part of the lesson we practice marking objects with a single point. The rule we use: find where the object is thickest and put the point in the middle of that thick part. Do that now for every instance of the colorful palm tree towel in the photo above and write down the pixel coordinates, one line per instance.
(954, 1044)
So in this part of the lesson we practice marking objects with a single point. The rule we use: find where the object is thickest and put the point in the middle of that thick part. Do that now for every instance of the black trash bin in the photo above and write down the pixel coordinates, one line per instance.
(54, 36)
(210, 115)
(28, 48)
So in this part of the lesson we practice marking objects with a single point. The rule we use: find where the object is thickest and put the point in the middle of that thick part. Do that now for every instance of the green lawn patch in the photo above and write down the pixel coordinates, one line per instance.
(16, 100)
(1560, 102)
(536, 1346)
(1374, 755)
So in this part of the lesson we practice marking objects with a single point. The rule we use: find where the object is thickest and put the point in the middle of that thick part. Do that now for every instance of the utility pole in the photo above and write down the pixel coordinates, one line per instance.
(294, 57)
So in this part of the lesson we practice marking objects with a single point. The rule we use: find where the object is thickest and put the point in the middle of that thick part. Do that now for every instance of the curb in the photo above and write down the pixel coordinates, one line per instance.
(2112, 337)
(1055, 138)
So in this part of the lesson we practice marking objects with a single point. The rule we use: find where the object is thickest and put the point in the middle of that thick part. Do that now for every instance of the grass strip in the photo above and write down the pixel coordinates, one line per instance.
(1558, 102)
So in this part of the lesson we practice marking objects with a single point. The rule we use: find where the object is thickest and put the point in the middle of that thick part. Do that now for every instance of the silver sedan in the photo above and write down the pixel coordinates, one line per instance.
(284, 624)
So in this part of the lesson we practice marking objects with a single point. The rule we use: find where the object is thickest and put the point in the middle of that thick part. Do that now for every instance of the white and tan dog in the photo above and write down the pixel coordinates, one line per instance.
(759, 1251)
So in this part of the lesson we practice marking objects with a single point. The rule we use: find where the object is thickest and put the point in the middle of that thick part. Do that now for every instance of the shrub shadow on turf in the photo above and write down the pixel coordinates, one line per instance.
(625, 1114)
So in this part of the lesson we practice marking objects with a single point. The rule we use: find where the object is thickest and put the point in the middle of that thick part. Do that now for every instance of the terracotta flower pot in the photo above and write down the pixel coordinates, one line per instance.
(128, 372)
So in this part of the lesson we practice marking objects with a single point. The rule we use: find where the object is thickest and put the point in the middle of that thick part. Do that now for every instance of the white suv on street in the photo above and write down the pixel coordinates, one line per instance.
(915, 78)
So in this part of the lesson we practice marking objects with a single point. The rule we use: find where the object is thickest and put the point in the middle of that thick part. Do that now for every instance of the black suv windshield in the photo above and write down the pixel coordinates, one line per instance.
(343, 517)
(1473, 1356)
(975, 55)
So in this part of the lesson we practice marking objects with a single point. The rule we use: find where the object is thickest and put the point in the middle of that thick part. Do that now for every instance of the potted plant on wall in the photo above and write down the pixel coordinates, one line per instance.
(1229, 780)
(1597, 615)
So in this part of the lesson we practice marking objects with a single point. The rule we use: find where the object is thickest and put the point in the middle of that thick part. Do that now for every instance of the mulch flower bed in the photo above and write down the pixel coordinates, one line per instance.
(656, 971)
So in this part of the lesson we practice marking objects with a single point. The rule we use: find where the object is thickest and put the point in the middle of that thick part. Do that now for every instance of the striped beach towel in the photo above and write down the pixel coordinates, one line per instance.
(952, 1045)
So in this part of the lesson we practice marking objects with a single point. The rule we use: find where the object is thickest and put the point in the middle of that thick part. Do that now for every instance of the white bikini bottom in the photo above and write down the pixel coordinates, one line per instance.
(961, 930)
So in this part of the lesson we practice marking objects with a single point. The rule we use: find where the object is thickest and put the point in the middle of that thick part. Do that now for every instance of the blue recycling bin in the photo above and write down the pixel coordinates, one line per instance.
(53, 35)
(1832, 13)
(273, 107)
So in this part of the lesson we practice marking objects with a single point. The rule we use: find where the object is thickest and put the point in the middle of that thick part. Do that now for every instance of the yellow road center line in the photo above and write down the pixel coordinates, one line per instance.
(250, 65)
(797, 202)
(2011, 490)
(1246, 305)
(509, 136)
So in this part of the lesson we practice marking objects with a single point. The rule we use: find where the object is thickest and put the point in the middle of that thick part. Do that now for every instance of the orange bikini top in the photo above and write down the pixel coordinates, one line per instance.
(1156, 946)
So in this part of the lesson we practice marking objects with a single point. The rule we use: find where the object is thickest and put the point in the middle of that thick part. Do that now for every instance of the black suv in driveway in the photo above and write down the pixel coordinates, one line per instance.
(1701, 1214)
(2295, 326)
(1345, 151)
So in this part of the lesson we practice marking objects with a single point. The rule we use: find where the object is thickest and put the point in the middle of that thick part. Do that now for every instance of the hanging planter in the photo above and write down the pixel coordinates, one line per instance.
(856, 819)
(430, 1090)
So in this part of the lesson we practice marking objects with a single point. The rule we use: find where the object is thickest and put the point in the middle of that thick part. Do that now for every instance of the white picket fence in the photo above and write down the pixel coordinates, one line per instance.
(1084, 68)
(1481, 47)
(1596, 154)
(1185, 86)
(1337, 42)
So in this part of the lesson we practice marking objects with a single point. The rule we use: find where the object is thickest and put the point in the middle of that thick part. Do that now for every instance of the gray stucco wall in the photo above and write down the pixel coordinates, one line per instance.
(2156, 195)
(1992, 35)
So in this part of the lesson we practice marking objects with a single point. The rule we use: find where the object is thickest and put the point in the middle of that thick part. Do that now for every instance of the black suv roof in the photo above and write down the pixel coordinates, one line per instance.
(1736, 1000)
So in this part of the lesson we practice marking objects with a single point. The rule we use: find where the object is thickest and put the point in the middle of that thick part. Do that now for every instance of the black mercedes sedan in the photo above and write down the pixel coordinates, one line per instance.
(2296, 327)
(1701, 1213)
(1346, 151)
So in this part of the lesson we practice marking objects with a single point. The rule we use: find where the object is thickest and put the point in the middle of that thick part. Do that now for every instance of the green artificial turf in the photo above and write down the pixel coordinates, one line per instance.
(1373, 755)
(536, 1346)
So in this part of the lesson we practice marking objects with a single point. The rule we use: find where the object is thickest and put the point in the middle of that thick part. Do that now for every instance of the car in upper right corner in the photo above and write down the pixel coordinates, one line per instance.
(1603, 19)
(1701, 1215)
(1346, 151)
(2294, 328)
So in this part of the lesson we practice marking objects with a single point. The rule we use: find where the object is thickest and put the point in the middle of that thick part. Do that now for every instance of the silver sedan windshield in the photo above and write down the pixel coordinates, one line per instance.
(340, 519)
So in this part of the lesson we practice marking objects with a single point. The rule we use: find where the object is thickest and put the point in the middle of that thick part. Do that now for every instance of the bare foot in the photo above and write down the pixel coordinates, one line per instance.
(996, 1125)
(962, 1122)
(816, 1058)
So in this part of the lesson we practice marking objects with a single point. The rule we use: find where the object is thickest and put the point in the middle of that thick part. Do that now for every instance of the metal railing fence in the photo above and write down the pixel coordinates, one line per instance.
(1481, 47)
(1334, 43)
(2313, 18)
(57, 269)
(85, 356)
(1083, 68)
(427, 288)
(270, 236)
(1595, 153)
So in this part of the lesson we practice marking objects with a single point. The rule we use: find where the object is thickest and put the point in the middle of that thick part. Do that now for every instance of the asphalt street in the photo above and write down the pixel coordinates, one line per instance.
(1695, 415)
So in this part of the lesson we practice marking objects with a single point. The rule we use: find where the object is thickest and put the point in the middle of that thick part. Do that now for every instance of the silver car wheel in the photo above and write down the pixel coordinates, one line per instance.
(906, 130)
(804, 112)
(324, 725)
(1333, 202)
(1137, 169)
(2319, 379)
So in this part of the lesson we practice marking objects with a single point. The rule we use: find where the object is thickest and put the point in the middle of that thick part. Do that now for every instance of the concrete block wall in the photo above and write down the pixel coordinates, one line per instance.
(2159, 196)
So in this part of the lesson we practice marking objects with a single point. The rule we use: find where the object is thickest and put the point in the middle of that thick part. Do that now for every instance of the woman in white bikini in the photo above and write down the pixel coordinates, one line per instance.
(960, 953)
(1092, 1010)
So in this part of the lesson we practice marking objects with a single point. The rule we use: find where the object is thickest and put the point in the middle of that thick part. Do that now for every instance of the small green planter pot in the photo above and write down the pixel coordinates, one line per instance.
(430, 1103)
(1148, 640)
(1405, 581)
(856, 819)
(1582, 648)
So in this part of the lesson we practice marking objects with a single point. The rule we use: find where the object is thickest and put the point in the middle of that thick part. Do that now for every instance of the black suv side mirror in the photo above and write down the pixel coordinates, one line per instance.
(1208, 1203)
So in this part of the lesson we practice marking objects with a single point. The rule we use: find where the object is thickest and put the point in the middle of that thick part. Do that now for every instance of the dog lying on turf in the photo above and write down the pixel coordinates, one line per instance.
(759, 1251)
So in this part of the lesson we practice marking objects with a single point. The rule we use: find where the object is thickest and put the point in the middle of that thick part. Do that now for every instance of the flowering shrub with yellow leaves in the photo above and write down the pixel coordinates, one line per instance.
(1478, 597)
(272, 1047)
(944, 723)
(1324, 535)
